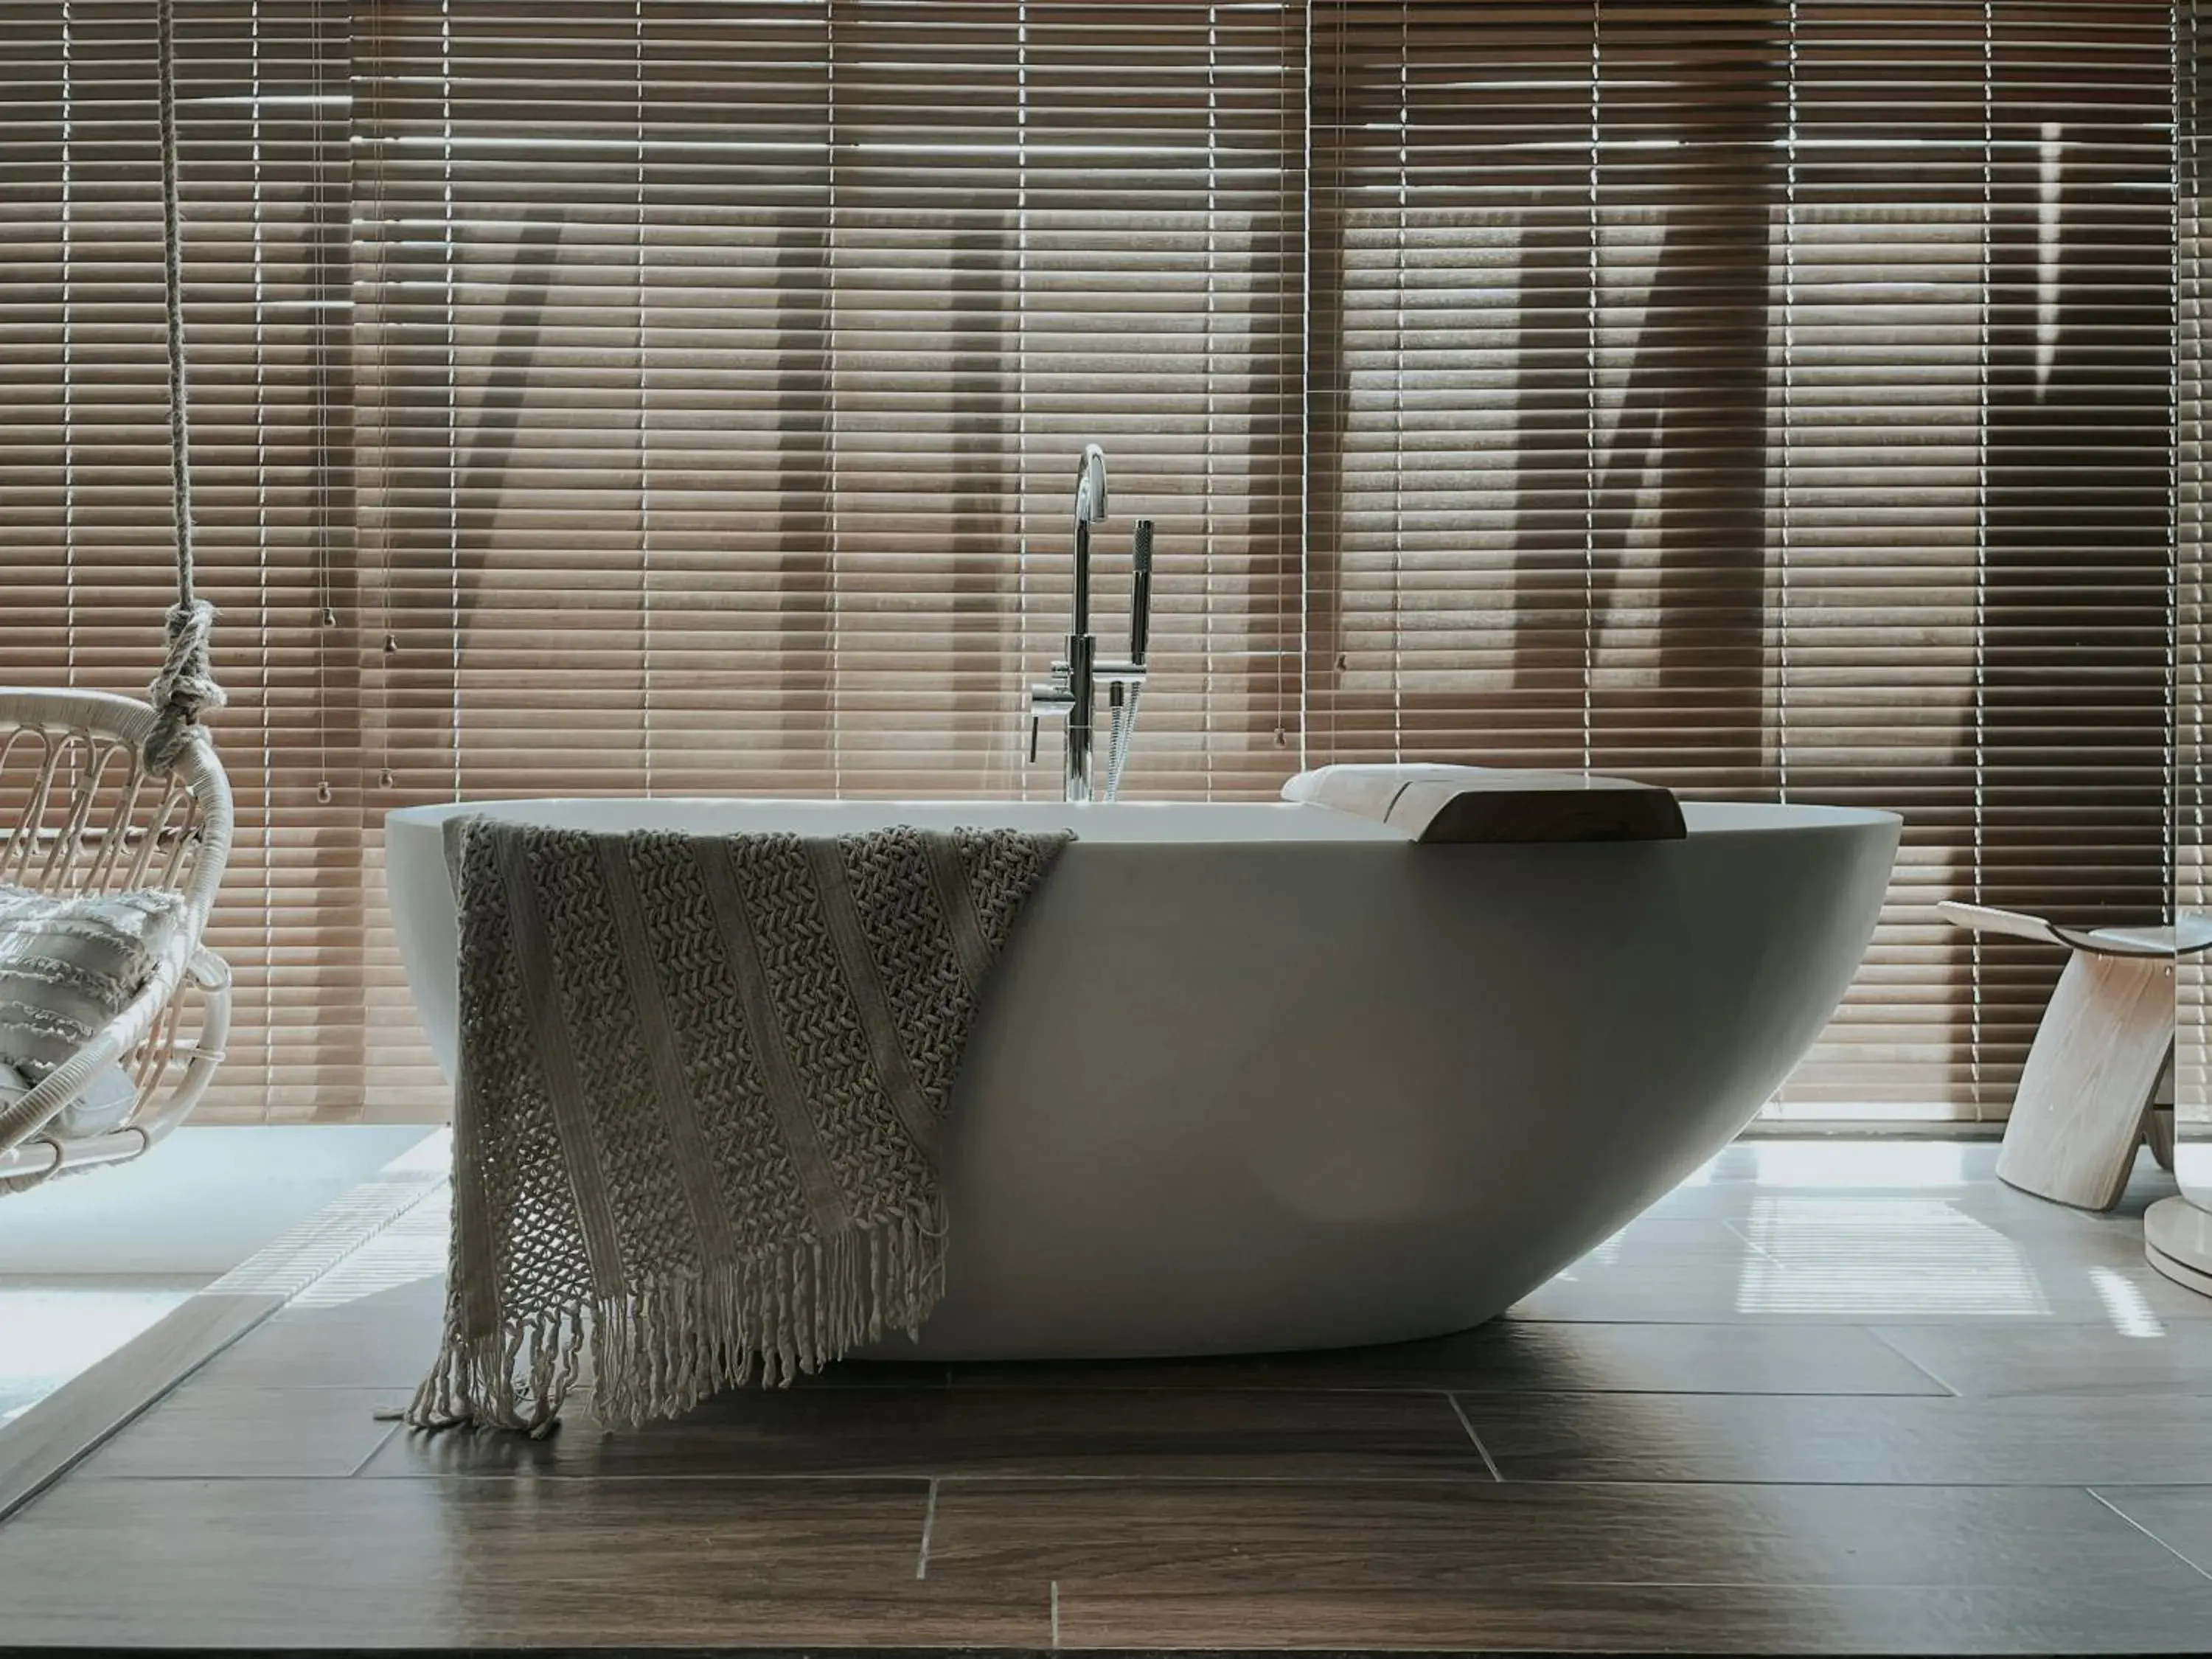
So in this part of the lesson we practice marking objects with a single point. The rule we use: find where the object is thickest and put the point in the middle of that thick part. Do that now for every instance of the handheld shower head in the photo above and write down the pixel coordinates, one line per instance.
(1090, 486)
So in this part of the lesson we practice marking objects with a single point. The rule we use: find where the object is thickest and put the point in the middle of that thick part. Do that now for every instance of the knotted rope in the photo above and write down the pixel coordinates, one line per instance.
(185, 687)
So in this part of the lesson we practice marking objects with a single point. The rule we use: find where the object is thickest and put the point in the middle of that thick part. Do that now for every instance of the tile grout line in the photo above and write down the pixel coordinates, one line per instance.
(2147, 1532)
(928, 1524)
(1874, 1331)
(384, 1440)
(1756, 1248)
(1465, 1422)
(880, 1477)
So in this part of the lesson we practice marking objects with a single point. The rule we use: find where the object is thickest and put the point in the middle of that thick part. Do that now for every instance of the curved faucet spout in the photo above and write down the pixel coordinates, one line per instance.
(1090, 486)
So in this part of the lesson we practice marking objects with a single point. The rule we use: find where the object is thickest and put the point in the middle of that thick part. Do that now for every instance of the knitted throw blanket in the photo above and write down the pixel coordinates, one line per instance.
(702, 1084)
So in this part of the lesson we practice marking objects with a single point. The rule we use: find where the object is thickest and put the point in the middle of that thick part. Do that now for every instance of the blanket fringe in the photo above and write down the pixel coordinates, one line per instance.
(660, 1350)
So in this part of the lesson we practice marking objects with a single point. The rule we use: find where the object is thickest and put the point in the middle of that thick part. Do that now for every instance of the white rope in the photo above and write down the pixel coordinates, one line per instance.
(185, 688)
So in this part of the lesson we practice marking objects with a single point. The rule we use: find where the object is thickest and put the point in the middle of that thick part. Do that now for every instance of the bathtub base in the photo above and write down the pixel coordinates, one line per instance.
(1299, 1282)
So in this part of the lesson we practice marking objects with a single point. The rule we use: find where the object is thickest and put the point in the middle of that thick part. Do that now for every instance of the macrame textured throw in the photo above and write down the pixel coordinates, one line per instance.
(702, 1084)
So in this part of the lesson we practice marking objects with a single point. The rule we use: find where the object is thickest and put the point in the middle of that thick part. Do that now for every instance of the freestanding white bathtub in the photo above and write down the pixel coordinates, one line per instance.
(1269, 1076)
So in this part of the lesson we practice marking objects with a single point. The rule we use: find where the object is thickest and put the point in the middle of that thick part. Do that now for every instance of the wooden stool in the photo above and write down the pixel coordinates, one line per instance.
(2102, 1059)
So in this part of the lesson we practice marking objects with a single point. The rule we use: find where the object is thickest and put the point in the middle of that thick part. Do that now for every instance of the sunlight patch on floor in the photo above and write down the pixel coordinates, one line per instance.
(1859, 1163)
(2125, 1305)
(1881, 1258)
(411, 1248)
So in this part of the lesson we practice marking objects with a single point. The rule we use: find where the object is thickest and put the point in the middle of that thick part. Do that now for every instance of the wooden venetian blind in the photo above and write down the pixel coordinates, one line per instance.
(725, 367)
(86, 550)
(2192, 858)
(1766, 397)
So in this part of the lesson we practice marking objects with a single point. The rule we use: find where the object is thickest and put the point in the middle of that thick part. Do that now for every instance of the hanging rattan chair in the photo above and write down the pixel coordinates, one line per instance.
(94, 817)
(106, 795)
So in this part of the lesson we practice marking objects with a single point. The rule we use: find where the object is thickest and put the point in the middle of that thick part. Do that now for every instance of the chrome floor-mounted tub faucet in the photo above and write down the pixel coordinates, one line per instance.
(1071, 694)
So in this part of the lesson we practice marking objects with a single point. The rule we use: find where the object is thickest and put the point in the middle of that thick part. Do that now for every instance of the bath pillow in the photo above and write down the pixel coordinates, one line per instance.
(67, 966)
(1444, 805)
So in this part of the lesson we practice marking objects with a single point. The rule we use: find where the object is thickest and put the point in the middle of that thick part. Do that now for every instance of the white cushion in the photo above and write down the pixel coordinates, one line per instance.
(67, 966)
(100, 1106)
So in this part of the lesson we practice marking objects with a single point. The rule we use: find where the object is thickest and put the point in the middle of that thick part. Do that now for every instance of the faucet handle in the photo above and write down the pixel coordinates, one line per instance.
(1055, 697)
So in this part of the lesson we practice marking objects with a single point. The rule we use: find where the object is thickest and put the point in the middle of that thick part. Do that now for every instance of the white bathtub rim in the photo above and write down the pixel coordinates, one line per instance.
(1125, 822)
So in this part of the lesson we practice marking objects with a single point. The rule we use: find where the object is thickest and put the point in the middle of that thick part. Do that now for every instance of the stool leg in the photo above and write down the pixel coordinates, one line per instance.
(2158, 1120)
(2078, 1117)
(2157, 1130)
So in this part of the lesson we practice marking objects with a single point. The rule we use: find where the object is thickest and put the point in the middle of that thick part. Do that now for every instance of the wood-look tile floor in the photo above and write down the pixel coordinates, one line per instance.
(1826, 1398)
